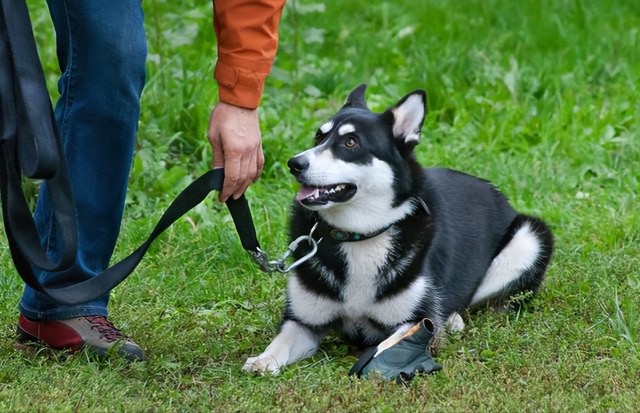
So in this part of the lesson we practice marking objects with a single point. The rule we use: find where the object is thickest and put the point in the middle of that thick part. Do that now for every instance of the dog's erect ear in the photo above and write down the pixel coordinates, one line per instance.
(356, 98)
(408, 117)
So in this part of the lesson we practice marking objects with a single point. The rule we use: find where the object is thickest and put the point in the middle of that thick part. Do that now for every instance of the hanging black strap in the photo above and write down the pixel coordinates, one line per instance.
(100, 284)
(30, 146)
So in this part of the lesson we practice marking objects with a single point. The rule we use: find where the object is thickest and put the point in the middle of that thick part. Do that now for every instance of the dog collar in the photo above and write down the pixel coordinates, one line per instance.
(347, 236)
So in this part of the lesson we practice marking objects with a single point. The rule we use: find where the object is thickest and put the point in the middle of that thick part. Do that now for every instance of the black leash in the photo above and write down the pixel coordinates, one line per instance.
(30, 146)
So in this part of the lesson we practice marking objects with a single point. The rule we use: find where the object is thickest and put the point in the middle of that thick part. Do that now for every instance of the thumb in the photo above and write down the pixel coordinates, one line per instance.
(216, 146)
(218, 159)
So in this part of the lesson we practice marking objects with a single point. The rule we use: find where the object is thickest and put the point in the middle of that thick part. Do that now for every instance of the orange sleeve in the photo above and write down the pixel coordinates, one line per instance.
(247, 36)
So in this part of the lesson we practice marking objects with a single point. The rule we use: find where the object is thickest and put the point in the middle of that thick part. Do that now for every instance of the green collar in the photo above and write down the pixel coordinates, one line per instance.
(347, 236)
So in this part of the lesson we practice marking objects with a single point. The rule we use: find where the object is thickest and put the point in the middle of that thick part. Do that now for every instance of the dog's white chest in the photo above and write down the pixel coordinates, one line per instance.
(365, 264)
(358, 302)
(364, 260)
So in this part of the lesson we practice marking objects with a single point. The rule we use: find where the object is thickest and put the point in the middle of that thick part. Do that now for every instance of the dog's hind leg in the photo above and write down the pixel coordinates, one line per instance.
(454, 323)
(520, 264)
(293, 342)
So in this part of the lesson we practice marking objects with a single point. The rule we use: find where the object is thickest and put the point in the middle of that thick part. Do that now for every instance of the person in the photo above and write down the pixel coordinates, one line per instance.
(101, 48)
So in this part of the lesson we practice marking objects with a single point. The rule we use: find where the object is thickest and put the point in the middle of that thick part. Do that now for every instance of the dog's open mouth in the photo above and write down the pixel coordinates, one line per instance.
(321, 195)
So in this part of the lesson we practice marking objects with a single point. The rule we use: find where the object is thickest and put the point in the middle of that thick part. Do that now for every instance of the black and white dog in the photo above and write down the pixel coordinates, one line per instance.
(399, 243)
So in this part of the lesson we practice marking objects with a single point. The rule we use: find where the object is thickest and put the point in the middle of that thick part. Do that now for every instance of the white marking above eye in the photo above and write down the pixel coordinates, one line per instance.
(346, 128)
(326, 127)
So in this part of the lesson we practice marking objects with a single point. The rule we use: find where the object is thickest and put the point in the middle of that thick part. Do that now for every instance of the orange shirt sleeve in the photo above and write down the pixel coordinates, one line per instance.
(247, 36)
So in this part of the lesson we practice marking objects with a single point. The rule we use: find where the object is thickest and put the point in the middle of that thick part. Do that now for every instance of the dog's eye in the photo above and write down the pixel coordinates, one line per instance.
(351, 142)
(319, 136)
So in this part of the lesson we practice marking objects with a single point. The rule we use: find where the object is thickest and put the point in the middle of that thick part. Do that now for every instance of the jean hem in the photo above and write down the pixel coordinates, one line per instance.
(62, 314)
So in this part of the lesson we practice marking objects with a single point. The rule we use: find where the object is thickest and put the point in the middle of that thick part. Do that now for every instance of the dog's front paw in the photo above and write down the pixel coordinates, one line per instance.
(262, 365)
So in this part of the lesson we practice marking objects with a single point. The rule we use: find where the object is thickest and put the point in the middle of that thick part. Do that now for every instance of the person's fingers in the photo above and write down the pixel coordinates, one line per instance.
(231, 180)
(251, 172)
(241, 170)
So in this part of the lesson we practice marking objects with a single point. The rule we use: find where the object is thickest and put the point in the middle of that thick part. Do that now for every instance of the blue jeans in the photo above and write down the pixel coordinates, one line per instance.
(101, 50)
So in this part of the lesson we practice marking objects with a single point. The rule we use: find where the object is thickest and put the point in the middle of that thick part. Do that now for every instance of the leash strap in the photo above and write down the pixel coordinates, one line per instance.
(30, 146)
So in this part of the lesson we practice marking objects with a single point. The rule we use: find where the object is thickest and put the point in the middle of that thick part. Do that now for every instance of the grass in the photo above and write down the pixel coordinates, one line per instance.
(538, 96)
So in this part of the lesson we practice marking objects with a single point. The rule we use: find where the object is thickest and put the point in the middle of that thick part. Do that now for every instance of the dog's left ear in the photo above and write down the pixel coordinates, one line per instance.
(408, 117)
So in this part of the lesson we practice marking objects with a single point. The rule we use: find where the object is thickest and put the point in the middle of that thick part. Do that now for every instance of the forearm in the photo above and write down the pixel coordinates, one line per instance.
(247, 38)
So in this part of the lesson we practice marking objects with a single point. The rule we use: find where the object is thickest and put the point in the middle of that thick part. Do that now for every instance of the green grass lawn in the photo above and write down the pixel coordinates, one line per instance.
(538, 96)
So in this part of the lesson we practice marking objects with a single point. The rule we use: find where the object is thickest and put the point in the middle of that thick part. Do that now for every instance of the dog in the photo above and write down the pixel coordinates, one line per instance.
(399, 242)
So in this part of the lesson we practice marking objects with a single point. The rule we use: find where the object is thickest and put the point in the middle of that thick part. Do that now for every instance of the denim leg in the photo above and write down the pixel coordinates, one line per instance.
(102, 51)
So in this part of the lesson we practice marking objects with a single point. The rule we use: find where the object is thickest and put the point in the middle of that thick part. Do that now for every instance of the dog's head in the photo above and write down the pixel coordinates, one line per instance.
(361, 157)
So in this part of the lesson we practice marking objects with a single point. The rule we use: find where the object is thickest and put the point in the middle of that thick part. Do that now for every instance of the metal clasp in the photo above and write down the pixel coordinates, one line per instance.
(262, 259)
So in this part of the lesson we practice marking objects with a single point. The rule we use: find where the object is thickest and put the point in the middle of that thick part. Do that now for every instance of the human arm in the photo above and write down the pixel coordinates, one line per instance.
(247, 38)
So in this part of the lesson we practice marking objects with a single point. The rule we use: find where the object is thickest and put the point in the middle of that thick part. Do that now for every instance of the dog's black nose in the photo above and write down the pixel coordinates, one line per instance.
(298, 164)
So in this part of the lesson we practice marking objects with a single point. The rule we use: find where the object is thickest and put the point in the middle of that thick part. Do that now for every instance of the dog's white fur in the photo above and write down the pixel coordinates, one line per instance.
(294, 342)
(519, 255)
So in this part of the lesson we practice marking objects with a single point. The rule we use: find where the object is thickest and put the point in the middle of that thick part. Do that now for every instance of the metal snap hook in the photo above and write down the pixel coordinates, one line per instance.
(278, 265)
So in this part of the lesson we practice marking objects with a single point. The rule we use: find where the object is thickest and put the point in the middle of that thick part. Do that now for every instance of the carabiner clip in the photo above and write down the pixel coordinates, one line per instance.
(278, 265)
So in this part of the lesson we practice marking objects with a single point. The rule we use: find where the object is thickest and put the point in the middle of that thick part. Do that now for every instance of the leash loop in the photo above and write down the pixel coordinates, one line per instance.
(262, 259)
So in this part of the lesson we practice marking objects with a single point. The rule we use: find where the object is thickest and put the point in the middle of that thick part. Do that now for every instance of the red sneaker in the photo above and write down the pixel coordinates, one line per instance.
(94, 333)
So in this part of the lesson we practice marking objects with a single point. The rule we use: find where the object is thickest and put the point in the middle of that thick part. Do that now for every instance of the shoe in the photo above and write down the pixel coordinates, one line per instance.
(95, 333)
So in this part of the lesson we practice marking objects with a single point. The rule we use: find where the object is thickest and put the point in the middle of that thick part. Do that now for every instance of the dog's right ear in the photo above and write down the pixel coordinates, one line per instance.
(356, 98)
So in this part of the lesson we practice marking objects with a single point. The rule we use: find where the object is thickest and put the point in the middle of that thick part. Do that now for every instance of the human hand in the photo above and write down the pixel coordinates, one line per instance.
(234, 134)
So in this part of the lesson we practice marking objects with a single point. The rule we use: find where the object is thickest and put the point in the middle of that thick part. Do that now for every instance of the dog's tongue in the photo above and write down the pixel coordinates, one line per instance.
(305, 192)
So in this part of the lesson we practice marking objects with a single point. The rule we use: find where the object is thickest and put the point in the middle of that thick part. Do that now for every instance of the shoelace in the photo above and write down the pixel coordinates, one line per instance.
(104, 327)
